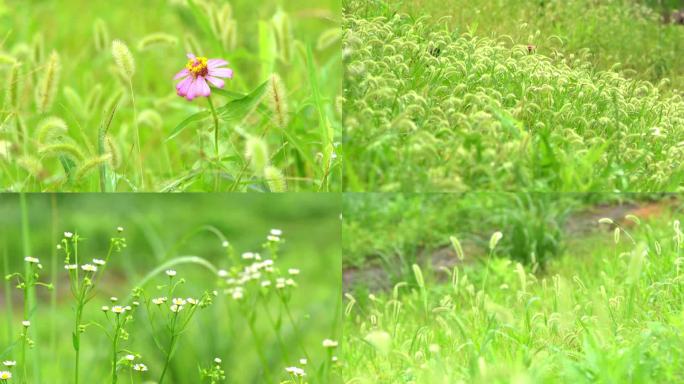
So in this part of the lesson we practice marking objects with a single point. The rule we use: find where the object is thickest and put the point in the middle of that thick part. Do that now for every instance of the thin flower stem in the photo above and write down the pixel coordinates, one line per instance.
(295, 327)
(172, 345)
(216, 140)
(115, 340)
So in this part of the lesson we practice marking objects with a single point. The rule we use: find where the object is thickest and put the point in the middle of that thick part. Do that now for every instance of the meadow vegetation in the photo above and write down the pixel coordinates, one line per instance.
(605, 309)
(129, 298)
(437, 104)
(89, 102)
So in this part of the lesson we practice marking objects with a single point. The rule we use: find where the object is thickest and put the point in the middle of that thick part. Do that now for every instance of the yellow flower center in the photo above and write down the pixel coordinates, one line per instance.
(5, 375)
(198, 66)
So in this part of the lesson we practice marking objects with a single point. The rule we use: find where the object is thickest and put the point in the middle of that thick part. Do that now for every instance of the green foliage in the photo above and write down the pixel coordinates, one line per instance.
(601, 313)
(431, 108)
(88, 76)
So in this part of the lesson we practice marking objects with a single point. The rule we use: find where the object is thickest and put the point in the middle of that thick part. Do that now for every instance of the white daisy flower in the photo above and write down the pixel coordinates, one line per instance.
(327, 343)
(170, 272)
(118, 309)
(105, 308)
(266, 283)
(192, 301)
(178, 301)
(114, 299)
(70, 267)
(119, 229)
(9, 363)
(273, 238)
(98, 262)
(248, 256)
(303, 361)
(68, 235)
(31, 260)
(296, 371)
(26, 323)
(217, 360)
(176, 308)
(5, 375)
(159, 300)
(130, 357)
(140, 367)
(222, 273)
(89, 268)
(276, 232)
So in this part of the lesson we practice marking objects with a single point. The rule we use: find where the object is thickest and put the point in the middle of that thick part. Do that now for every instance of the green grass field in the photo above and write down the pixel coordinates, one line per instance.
(566, 96)
(606, 308)
(256, 333)
(77, 115)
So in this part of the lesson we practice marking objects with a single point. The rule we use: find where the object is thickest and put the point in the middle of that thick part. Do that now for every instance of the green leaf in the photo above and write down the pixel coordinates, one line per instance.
(180, 127)
(233, 111)
(237, 110)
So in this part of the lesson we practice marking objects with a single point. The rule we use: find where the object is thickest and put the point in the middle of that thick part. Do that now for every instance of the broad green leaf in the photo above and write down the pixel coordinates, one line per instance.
(237, 110)
(193, 118)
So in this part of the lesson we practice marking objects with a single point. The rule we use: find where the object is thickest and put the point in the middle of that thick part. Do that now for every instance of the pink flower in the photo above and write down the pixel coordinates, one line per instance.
(197, 73)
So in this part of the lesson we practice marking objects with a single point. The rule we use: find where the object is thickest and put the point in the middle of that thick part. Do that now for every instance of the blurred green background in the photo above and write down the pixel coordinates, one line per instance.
(158, 228)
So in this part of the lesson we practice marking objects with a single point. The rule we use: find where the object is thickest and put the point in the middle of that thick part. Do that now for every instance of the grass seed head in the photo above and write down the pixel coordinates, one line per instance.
(47, 88)
(123, 58)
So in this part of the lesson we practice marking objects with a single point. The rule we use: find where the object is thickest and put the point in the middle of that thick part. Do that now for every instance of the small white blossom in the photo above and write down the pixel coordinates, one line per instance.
(266, 283)
(223, 273)
(5, 375)
(170, 272)
(69, 267)
(192, 301)
(118, 309)
(178, 301)
(296, 371)
(238, 294)
(327, 343)
(31, 260)
(89, 268)
(276, 232)
(176, 308)
(98, 262)
(105, 308)
(217, 360)
(303, 361)
(159, 300)
(225, 244)
(130, 357)
(26, 323)
(140, 367)
(68, 235)
(293, 271)
(273, 238)
(119, 229)
(248, 256)
(114, 299)
(9, 363)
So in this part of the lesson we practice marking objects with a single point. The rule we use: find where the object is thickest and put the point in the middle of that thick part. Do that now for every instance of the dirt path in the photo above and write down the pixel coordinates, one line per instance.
(376, 277)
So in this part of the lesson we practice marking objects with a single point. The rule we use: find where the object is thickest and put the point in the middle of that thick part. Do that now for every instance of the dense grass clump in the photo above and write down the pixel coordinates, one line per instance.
(428, 109)
(609, 311)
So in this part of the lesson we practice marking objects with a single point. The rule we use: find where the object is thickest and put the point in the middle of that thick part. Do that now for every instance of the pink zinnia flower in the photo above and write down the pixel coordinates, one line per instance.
(197, 72)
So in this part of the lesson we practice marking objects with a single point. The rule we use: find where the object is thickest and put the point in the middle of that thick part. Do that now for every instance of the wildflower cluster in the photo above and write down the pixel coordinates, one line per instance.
(83, 278)
(170, 315)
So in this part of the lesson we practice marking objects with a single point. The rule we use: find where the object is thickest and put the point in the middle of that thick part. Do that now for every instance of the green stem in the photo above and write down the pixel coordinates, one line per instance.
(172, 344)
(137, 136)
(216, 141)
(114, 350)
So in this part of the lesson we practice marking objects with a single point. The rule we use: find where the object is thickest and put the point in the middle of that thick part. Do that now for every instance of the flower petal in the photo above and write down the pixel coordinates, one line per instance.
(216, 82)
(182, 73)
(221, 72)
(183, 86)
(202, 87)
(192, 90)
(215, 63)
